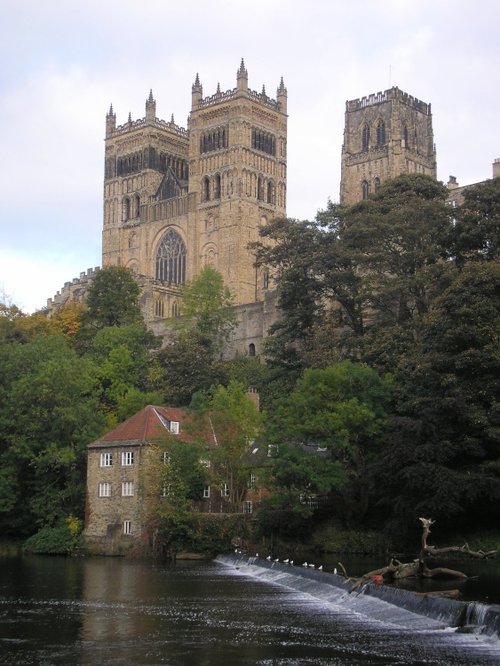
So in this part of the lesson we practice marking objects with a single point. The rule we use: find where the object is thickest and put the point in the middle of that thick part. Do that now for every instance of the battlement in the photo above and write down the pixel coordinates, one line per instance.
(132, 125)
(219, 97)
(72, 291)
(386, 96)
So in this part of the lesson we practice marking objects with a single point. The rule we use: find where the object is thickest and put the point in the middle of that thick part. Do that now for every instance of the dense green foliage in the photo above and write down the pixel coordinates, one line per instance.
(380, 382)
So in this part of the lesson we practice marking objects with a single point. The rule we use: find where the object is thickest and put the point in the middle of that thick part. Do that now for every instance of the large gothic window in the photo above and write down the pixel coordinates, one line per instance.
(171, 259)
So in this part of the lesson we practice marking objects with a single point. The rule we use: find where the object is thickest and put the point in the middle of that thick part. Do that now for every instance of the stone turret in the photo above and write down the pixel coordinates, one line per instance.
(196, 93)
(110, 121)
(242, 78)
(282, 96)
(150, 108)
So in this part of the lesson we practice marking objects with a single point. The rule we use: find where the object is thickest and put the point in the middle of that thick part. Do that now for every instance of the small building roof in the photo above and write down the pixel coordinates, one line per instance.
(149, 424)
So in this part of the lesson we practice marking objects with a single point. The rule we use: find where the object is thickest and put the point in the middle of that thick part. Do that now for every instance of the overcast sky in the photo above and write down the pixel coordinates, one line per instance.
(62, 62)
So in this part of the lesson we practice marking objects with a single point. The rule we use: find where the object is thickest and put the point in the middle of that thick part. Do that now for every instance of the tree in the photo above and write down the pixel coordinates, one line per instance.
(398, 240)
(236, 423)
(343, 410)
(476, 233)
(207, 307)
(124, 365)
(48, 415)
(113, 298)
(187, 365)
(444, 454)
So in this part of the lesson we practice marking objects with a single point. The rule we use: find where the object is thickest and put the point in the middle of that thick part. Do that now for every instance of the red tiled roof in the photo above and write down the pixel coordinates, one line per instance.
(147, 425)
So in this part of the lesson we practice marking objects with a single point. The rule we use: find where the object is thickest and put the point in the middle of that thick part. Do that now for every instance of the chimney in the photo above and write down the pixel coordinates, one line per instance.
(452, 183)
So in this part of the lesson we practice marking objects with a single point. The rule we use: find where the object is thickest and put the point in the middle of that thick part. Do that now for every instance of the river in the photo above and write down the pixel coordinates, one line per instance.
(114, 611)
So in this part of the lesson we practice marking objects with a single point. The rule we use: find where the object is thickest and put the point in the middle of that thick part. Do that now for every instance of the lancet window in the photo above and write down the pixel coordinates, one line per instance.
(380, 133)
(171, 259)
(365, 189)
(365, 137)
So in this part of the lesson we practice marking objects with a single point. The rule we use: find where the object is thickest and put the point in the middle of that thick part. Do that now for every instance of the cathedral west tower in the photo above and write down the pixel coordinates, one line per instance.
(178, 199)
(385, 135)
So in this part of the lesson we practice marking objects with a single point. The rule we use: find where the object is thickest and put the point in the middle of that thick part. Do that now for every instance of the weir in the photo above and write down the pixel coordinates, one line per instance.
(379, 602)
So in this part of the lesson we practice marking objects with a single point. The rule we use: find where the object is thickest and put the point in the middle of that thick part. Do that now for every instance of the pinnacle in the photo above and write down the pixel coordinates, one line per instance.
(242, 69)
(150, 98)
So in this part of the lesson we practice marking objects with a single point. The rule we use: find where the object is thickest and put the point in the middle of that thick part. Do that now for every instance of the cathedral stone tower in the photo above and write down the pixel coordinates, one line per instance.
(177, 199)
(385, 135)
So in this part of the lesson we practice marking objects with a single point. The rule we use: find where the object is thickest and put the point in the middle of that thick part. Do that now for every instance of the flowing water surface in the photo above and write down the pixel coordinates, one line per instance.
(114, 611)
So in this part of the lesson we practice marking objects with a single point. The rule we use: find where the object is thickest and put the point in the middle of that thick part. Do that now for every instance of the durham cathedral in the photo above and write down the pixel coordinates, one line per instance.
(177, 199)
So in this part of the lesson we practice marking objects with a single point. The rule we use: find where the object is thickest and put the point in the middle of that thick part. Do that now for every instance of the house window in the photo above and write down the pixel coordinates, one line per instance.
(127, 458)
(206, 491)
(104, 489)
(205, 462)
(247, 507)
(128, 489)
(224, 491)
(165, 456)
(165, 491)
(271, 450)
(174, 427)
(106, 459)
(251, 480)
(251, 349)
(127, 527)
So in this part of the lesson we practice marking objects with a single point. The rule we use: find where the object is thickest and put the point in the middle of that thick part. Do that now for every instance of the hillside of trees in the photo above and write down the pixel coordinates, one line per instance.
(379, 384)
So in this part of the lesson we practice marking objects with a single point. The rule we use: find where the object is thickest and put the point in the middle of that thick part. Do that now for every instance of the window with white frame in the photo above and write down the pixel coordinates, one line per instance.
(206, 492)
(174, 427)
(127, 527)
(205, 462)
(247, 507)
(128, 489)
(127, 458)
(224, 491)
(104, 489)
(165, 456)
(251, 480)
(271, 450)
(106, 460)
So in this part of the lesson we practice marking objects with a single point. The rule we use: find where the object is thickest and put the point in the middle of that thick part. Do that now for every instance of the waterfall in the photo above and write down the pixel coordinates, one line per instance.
(379, 602)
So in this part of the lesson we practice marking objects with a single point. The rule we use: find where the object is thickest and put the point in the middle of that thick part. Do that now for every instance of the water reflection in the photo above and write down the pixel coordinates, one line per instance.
(112, 611)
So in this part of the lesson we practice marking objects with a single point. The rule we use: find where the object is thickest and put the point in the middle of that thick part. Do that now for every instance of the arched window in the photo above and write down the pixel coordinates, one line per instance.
(260, 193)
(377, 184)
(171, 259)
(175, 309)
(205, 189)
(126, 209)
(159, 308)
(270, 197)
(380, 133)
(365, 189)
(251, 349)
(405, 136)
(365, 137)
(217, 187)
(265, 278)
(137, 205)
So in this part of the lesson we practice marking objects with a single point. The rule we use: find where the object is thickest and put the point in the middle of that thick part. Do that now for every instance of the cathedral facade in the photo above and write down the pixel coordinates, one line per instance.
(178, 199)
